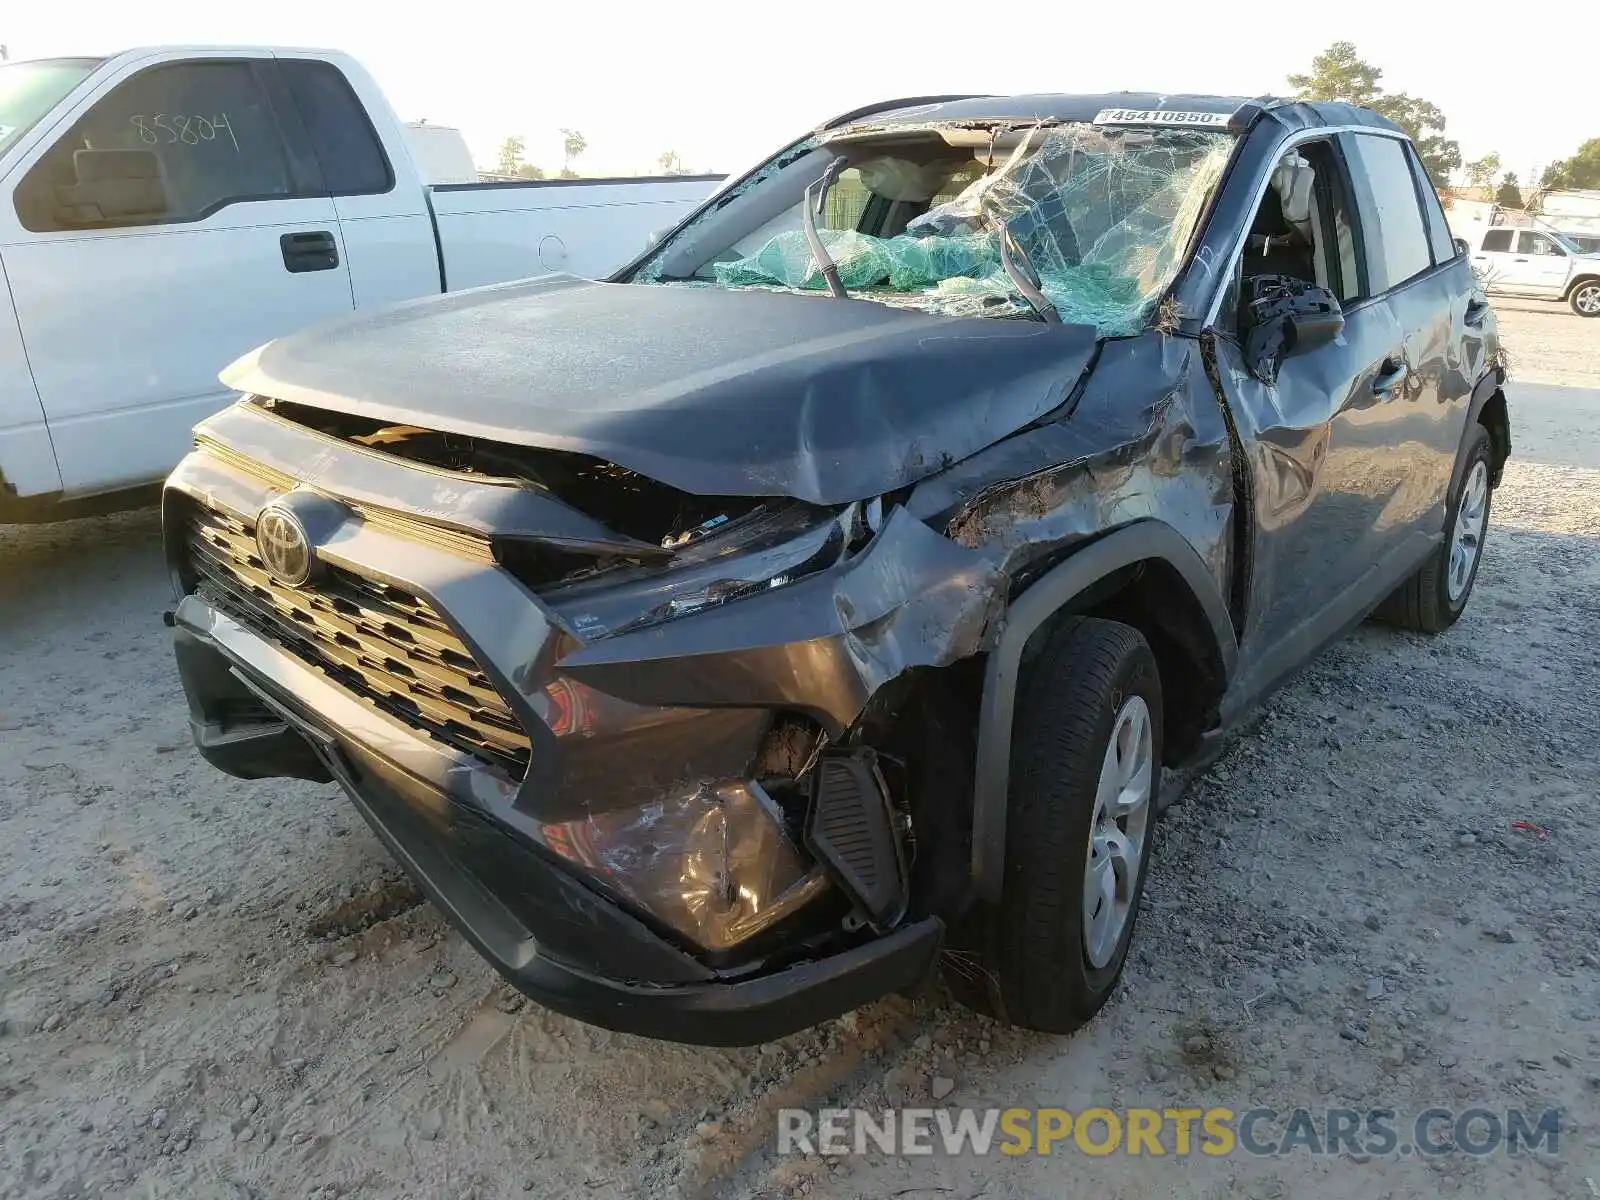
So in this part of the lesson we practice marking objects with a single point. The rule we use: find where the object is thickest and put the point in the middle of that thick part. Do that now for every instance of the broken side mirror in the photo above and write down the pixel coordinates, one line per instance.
(113, 187)
(1286, 316)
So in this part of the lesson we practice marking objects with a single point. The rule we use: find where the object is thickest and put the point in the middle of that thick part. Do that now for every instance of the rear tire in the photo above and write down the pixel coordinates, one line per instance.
(1585, 298)
(1433, 598)
(1085, 776)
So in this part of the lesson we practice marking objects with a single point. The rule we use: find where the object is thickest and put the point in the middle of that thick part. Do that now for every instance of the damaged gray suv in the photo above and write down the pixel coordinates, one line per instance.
(832, 589)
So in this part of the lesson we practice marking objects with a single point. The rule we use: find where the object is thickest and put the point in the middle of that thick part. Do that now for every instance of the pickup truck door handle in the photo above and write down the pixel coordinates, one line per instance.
(1390, 375)
(312, 251)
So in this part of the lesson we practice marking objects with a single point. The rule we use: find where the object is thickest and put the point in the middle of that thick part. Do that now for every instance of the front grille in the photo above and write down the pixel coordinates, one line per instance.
(375, 640)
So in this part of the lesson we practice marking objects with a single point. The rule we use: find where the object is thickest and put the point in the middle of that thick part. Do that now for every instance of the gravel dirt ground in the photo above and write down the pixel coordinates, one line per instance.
(211, 988)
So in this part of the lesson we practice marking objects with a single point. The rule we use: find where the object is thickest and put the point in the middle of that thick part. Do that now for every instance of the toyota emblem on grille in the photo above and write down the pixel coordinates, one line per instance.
(285, 550)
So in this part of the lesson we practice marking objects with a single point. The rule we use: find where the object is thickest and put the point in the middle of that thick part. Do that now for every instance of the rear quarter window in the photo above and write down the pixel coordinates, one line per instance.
(347, 147)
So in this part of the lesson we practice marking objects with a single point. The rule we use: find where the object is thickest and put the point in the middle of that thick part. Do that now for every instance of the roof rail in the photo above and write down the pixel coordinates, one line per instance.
(885, 105)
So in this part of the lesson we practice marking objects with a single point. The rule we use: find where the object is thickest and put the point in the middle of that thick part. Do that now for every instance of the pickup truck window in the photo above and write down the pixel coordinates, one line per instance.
(347, 147)
(1497, 241)
(1391, 220)
(28, 90)
(1532, 242)
(192, 137)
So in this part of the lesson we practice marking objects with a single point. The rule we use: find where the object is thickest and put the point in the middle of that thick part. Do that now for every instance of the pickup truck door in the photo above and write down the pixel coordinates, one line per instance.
(1541, 262)
(381, 200)
(1341, 447)
(169, 222)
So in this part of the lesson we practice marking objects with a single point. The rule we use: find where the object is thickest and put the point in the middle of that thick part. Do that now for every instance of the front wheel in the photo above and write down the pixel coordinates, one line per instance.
(1085, 771)
(1585, 298)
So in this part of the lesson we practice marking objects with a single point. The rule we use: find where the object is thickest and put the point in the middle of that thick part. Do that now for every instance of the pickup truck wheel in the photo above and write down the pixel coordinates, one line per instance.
(1585, 298)
(1085, 769)
(1432, 599)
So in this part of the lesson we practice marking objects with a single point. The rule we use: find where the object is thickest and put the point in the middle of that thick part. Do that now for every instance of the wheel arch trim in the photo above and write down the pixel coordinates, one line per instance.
(1490, 385)
(1046, 597)
(1577, 281)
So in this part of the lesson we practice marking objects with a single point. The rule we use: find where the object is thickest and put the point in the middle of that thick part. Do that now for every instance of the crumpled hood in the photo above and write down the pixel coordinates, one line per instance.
(712, 391)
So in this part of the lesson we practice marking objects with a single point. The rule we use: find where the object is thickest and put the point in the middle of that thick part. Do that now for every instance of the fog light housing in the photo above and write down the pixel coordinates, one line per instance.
(713, 863)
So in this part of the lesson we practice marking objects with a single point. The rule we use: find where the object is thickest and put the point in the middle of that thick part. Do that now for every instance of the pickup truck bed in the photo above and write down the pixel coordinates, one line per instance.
(483, 227)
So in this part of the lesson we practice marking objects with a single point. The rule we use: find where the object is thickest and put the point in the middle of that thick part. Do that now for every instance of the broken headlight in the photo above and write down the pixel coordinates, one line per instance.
(766, 548)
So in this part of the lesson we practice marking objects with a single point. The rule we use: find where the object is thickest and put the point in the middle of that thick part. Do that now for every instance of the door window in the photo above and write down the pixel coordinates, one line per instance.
(1391, 220)
(1531, 242)
(1497, 241)
(172, 144)
(1303, 227)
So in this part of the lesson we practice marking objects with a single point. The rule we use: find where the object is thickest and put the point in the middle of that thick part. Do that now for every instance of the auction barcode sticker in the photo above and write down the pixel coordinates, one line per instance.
(1161, 116)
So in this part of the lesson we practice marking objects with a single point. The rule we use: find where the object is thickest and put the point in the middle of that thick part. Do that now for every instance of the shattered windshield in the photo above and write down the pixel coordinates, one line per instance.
(915, 218)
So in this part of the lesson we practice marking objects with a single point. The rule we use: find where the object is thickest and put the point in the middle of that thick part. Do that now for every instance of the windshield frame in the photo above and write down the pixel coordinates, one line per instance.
(1560, 239)
(651, 267)
(11, 135)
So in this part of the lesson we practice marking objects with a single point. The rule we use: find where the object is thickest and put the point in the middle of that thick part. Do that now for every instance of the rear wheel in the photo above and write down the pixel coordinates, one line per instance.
(1085, 769)
(1433, 598)
(1585, 298)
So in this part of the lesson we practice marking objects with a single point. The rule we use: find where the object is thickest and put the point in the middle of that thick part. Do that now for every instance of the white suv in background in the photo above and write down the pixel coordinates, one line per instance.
(1536, 262)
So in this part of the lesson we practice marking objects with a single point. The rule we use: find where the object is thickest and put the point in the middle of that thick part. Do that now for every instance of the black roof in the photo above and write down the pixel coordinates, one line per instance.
(1063, 107)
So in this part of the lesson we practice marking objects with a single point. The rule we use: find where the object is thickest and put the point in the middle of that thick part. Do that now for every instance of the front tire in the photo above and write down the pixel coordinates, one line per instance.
(1435, 597)
(1085, 775)
(1585, 298)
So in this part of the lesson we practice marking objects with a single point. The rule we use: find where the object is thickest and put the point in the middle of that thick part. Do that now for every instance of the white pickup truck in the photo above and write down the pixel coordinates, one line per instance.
(1538, 263)
(165, 210)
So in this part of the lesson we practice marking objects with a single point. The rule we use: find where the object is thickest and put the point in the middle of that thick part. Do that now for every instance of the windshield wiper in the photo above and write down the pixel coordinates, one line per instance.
(816, 197)
(1019, 268)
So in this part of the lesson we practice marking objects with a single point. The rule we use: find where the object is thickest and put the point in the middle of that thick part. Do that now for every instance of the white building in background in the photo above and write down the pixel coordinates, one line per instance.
(1576, 214)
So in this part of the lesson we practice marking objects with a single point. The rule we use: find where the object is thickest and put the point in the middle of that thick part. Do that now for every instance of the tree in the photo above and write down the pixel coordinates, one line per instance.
(573, 144)
(671, 163)
(1580, 171)
(510, 160)
(1481, 171)
(529, 171)
(1509, 195)
(1339, 73)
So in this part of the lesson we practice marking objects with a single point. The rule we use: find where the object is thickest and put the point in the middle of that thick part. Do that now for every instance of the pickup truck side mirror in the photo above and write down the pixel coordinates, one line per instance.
(1284, 317)
(113, 187)
(1461, 245)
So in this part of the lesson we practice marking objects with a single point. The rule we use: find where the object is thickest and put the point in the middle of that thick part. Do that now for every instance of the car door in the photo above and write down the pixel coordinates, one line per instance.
(1431, 293)
(1329, 533)
(1543, 263)
(1491, 261)
(169, 226)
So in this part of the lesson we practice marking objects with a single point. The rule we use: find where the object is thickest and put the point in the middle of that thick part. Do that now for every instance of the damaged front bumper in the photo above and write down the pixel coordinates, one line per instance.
(547, 932)
(598, 815)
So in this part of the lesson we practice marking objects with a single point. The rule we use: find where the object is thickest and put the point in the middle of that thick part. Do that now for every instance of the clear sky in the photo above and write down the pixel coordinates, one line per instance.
(725, 83)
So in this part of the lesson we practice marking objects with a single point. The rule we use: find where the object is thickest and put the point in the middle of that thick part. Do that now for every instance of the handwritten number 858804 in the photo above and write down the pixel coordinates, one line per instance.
(177, 129)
